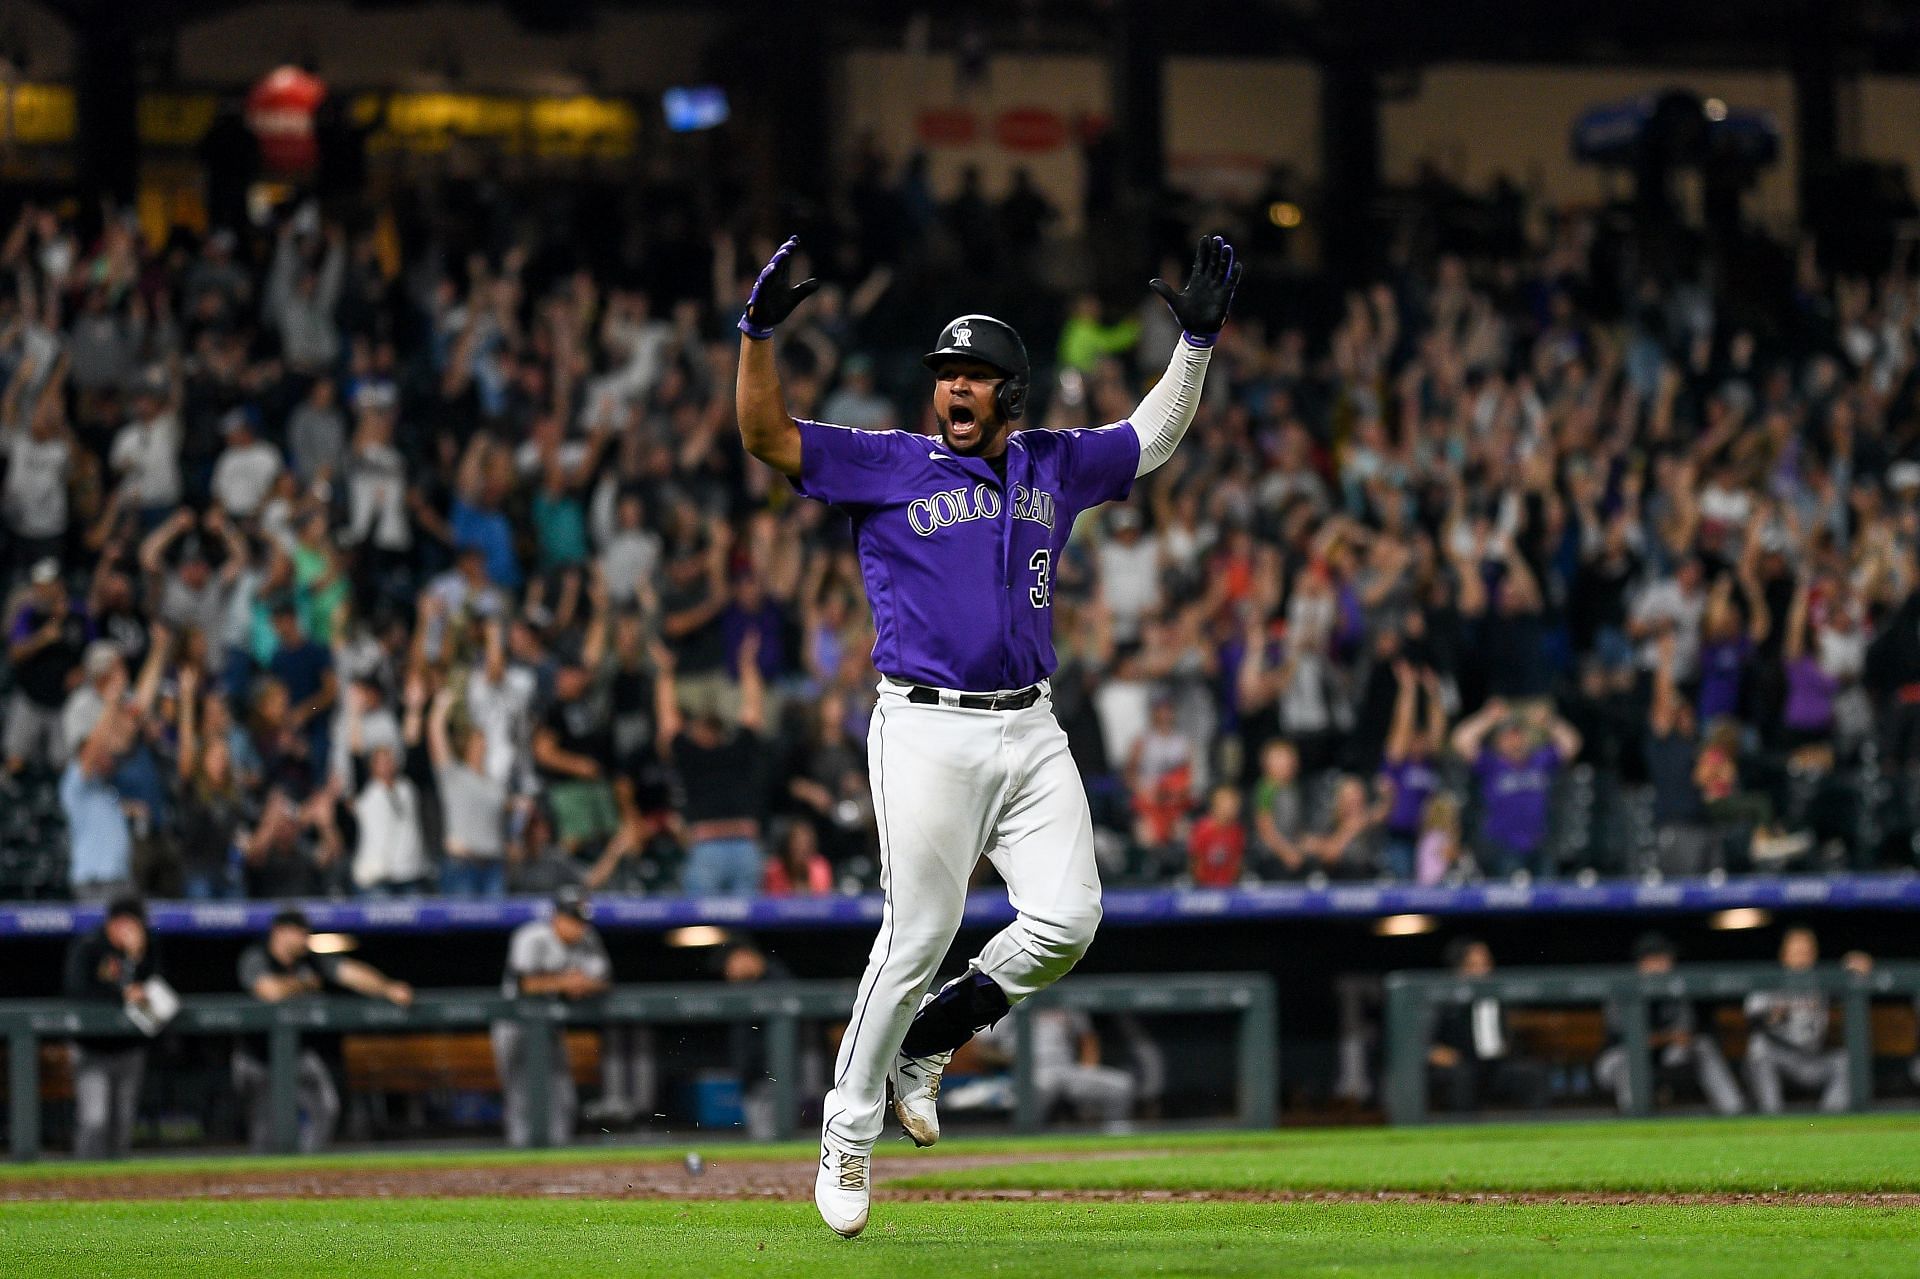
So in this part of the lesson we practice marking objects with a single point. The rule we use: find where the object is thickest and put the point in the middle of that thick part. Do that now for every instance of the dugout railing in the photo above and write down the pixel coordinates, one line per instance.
(776, 1007)
(1414, 999)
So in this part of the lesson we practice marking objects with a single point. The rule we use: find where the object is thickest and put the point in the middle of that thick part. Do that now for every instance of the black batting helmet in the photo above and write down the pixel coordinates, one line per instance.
(990, 341)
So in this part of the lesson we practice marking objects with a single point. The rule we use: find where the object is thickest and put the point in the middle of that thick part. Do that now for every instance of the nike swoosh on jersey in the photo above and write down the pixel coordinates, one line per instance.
(940, 457)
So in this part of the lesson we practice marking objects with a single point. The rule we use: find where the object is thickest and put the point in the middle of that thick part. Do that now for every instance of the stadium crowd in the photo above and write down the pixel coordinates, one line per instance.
(412, 549)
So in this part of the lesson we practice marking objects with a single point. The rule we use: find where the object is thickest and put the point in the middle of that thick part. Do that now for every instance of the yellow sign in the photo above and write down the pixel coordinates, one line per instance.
(582, 126)
(430, 122)
(37, 115)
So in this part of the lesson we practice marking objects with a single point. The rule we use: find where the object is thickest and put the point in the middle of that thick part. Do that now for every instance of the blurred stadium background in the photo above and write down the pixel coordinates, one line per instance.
(1541, 568)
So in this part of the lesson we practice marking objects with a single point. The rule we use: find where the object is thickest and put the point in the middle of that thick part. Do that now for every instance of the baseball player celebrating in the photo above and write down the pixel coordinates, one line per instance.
(957, 537)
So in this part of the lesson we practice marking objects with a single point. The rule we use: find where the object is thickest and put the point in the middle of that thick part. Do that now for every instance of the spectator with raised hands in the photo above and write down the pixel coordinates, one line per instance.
(1409, 776)
(1516, 754)
(473, 804)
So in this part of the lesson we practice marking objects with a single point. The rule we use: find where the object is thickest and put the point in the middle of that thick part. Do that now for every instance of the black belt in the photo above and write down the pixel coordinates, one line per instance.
(1017, 701)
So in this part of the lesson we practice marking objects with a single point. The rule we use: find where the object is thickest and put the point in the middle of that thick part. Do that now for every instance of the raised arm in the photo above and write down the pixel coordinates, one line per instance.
(189, 750)
(154, 547)
(15, 393)
(1759, 617)
(753, 686)
(1796, 637)
(1167, 411)
(1473, 730)
(1564, 736)
(438, 749)
(238, 553)
(1666, 694)
(1436, 711)
(766, 428)
(147, 687)
(1400, 736)
(1251, 684)
(666, 700)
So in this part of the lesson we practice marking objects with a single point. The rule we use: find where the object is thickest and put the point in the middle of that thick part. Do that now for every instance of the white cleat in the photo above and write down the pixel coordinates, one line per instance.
(842, 1187)
(916, 1089)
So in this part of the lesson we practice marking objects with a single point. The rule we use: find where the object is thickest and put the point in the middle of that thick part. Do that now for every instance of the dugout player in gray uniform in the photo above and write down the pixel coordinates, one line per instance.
(558, 957)
(1787, 1035)
(957, 536)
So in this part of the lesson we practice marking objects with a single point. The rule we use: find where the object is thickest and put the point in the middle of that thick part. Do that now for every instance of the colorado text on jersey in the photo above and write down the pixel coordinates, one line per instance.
(981, 502)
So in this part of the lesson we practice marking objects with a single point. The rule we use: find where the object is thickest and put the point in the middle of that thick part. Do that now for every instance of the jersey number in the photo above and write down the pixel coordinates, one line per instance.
(1040, 592)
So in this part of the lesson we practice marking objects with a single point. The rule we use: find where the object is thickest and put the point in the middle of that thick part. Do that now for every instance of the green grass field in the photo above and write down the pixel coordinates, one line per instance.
(471, 1238)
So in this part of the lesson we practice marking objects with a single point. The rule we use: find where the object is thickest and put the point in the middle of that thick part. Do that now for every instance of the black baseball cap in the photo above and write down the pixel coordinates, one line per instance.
(573, 901)
(292, 917)
(128, 907)
(982, 338)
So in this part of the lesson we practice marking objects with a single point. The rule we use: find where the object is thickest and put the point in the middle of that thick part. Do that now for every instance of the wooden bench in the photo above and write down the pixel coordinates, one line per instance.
(1578, 1034)
(415, 1064)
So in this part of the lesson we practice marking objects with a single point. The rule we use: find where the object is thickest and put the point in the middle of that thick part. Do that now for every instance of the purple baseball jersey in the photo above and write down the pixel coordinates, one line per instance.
(1414, 783)
(958, 564)
(1513, 797)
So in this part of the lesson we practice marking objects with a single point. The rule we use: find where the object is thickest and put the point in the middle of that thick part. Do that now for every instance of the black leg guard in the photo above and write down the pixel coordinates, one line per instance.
(961, 1010)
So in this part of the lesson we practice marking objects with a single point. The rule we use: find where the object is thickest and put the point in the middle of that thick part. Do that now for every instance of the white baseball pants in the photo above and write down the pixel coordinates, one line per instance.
(948, 785)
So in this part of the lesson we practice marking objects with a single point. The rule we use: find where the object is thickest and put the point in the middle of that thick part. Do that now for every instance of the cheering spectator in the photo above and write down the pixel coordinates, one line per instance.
(390, 854)
(1349, 847)
(40, 460)
(146, 452)
(573, 747)
(1279, 811)
(1160, 776)
(1672, 752)
(1408, 775)
(721, 771)
(1440, 857)
(247, 467)
(1516, 774)
(317, 436)
(474, 804)
(45, 639)
(1217, 844)
(797, 867)
(216, 807)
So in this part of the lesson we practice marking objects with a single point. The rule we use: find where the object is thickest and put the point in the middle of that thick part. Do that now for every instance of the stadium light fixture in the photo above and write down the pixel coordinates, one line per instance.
(1739, 917)
(332, 943)
(1404, 925)
(697, 935)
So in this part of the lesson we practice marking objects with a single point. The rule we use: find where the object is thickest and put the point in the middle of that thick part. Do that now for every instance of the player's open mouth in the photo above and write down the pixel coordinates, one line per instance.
(961, 427)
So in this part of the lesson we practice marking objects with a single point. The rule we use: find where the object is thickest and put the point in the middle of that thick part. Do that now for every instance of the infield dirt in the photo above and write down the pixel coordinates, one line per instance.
(786, 1179)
